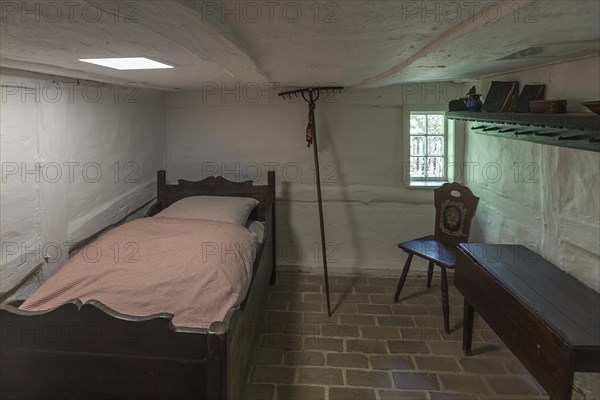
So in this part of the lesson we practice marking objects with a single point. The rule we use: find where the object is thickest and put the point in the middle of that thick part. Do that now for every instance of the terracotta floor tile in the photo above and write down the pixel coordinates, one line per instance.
(416, 380)
(372, 348)
(347, 360)
(391, 363)
(436, 364)
(342, 393)
(303, 358)
(402, 395)
(377, 379)
(470, 383)
(321, 376)
(300, 392)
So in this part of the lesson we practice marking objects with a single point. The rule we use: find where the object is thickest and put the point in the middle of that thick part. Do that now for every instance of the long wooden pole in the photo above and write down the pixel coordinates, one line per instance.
(321, 220)
(311, 138)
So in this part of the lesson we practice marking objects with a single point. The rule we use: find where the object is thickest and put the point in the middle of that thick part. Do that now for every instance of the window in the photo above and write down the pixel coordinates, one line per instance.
(429, 147)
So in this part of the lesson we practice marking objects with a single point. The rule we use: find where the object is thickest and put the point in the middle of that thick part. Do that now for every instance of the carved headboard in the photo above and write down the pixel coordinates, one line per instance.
(168, 194)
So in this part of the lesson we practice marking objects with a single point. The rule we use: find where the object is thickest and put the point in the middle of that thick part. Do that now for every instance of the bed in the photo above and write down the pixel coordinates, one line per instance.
(90, 351)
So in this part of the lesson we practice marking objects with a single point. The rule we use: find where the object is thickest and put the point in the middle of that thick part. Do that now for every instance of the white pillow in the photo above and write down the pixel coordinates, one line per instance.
(217, 208)
(258, 228)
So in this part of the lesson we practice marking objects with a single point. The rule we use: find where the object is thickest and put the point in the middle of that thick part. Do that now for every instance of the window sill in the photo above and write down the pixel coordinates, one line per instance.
(425, 185)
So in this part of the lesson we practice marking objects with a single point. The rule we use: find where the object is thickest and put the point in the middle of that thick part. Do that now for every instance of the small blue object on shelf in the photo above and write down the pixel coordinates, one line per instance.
(474, 103)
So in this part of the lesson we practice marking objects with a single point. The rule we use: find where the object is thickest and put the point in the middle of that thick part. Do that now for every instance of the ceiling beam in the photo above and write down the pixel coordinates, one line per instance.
(472, 24)
(206, 16)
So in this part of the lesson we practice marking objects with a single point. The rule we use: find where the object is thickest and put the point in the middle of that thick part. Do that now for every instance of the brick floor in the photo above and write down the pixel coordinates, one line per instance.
(374, 349)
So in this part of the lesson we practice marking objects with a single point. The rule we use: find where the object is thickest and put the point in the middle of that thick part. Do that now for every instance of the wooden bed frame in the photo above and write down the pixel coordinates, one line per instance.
(88, 351)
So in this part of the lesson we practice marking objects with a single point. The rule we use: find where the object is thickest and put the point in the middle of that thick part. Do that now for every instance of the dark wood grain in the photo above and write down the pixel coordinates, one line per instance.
(552, 330)
(433, 250)
(460, 194)
(79, 351)
(451, 200)
(88, 351)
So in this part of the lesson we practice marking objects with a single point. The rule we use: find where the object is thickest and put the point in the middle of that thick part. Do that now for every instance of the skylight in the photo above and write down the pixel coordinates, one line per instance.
(127, 63)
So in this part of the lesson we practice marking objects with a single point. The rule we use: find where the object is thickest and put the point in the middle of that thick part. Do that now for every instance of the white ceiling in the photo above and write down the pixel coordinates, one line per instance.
(346, 42)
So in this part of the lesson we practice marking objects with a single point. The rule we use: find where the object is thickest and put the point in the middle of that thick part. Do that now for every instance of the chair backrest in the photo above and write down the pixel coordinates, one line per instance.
(455, 206)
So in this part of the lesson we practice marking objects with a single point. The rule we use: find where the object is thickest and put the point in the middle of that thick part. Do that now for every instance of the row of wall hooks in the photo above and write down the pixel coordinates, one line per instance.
(590, 137)
(578, 131)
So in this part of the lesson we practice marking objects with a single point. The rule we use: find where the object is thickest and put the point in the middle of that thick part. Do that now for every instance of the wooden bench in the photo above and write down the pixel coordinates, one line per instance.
(546, 317)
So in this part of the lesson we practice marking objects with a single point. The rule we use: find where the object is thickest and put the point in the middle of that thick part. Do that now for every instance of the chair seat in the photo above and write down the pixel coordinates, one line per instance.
(431, 249)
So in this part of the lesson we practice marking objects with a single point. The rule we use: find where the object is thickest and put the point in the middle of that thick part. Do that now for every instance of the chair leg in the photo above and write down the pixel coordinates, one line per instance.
(429, 274)
(403, 277)
(445, 302)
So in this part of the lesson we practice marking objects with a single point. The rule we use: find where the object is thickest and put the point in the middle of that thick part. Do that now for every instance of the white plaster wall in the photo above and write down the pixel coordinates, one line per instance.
(92, 153)
(242, 134)
(545, 197)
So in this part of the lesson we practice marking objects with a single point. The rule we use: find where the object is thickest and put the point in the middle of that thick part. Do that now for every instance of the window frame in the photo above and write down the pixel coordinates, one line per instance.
(451, 155)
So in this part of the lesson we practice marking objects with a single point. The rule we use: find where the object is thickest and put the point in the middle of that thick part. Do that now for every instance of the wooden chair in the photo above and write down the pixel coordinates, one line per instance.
(455, 206)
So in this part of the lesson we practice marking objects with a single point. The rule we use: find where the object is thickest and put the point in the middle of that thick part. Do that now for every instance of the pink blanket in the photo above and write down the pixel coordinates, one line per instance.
(194, 269)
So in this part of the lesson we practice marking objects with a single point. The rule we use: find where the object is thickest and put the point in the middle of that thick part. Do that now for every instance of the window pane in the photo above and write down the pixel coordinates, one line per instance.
(435, 124)
(435, 146)
(435, 167)
(417, 146)
(417, 167)
(427, 146)
(417, 124)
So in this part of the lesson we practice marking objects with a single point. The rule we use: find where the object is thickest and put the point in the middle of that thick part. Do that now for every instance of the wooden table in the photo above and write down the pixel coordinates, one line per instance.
(546, 317)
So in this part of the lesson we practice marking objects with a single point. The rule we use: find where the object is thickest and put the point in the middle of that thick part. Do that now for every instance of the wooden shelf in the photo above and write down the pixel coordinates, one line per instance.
(578, 131)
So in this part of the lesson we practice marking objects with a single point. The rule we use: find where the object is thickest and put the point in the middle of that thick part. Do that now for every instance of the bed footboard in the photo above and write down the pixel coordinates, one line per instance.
(89, 352)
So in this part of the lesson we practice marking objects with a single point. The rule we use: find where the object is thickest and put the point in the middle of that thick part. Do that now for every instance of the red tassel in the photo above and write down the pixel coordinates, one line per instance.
(310, 129)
